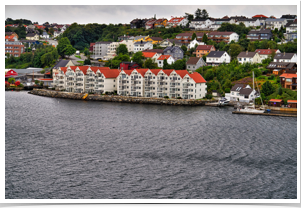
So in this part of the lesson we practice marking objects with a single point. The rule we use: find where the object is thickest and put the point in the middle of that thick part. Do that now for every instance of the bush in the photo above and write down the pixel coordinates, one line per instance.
(17, 83)
(91, 93)
(179, 98)
(261, 77)
(271, 77)
(227, 90)
(209, 96)
(11, 80)
(166, 97)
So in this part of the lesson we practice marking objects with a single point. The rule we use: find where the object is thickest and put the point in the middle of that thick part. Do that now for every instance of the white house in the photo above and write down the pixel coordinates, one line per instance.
(195, 42)
(275, 23)
(249, 22)
(215, 58)
(200, 23)
(57, 33)
(177, 21)
(291, 27)
(45, 35)
(266, 53)
(141, 46)
(241, 93)
(223, 36)
(169, 58)
(251, 57)
(285, 57)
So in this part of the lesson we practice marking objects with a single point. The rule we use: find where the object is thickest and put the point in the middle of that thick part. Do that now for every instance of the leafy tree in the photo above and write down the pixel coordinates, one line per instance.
(227, 84)
(257, 72)
(193, 36)
(69, 50)
(166, 65)
(198, 14)
(189, 16)
(11, 80)
(209, 75)
(251, 47)
(267, 88)
(86, 52)
(280, 91)
(205, 38)
(51, 30)
(179, 64)
(138, 57)
(47, 59)
(62, 47)
(234, 50)
(122, 49)
(205, 14)
(150, 64)
(244, 42)
(87, 62)
(184, 48)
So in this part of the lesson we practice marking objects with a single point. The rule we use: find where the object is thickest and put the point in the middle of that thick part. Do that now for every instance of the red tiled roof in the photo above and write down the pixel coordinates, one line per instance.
(291, 101)
(259, 15)
(285, 75)
(9, 37)
(275, 100)
(155, 71)
(64, 69)
(176, 20)
(168, 71)
(148, 54)
(128, 71)
(109, 73)
(265, 51)
(162, 57)
(141, 71)
(197, 77)
(182, 73)
(46, 79)
(204, 47)
(47, 73)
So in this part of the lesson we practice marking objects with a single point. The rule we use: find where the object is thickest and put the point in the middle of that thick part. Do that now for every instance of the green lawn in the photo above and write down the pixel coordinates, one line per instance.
(81, 62)
(77, 56)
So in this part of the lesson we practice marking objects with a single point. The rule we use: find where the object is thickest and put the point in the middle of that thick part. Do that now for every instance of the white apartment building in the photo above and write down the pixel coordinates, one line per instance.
(200, 23)
(81, 79)
(114, 45)
(160, 83)
(275, 23)
(141, 46)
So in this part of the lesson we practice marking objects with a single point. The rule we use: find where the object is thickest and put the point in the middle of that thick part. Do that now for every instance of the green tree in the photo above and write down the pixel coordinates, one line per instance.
(205, 38)
(69, 50)
(209, 75)
(198, 13)
(62, 47)
(150, 64)
(257, 72)
(267, 88)
(280, 91)
(122, 49)
(234, 50)
(251, 47)
(179, 64)
(193, 36)
(87, 62)
(166, 65)
(138, 58)
(184, 48)
(11, 80)
(51, 30)
(204, 14)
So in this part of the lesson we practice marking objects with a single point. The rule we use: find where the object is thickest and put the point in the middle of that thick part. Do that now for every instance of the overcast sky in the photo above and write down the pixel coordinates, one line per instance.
(115, 14)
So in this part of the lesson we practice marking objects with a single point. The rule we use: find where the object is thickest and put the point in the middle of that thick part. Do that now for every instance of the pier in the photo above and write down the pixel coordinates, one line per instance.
(265, 114)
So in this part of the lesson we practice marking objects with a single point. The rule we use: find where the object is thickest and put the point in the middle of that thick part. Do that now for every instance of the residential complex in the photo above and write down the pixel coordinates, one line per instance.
(133, 82)
(13, 46)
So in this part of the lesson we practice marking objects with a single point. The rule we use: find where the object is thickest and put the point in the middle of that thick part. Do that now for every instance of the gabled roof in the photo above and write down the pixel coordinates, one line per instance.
(182, 73)
(162, 57)
(204, 47)
(237, 87)
(109, 73)
(128, 71)
(141, 71)
(245, 91)
(149, 54)
(198, 78)
(259, 16)
(291, 101)
(153, 50)
(284, 55)
(289, 16)
(265, 51)
(140, 42)
(285, 75)
(220, 33)
(274, 20)
(61, 63)
(216, 54)
(155, 71)
(172, 48)
(176, 20)
(31, 34)
(190, 34)
(168, 71)
(156, 38)
(281, 65)
(263, 31)
(193, 60)
(246, 54)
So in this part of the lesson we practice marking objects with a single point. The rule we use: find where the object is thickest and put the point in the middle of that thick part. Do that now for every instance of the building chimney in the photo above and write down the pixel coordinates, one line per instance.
(247, 52)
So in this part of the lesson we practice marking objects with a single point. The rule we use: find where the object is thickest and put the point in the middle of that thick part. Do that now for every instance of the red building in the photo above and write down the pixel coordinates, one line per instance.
(128, 65)
(13, 46)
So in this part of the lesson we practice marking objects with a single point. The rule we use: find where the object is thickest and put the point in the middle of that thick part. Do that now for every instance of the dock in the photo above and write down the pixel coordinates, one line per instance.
(264, 114)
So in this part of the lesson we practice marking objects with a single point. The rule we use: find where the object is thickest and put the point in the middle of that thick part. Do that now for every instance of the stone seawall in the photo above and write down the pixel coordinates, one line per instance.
(117, 98)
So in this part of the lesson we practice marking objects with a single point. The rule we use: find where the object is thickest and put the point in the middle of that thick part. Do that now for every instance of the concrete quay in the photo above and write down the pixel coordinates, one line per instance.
(118, 98)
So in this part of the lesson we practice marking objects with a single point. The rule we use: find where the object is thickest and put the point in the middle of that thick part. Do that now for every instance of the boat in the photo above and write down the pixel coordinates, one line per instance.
(223, 101)
(252, 108)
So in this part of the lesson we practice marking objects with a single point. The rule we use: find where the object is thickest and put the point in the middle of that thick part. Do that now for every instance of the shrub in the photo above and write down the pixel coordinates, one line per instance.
(166, 97)
(271, 77)
(227, 90)
(11, 80)
(179, 98)
(261, 77)
(21, 85)
(91, 93)
(209, 96)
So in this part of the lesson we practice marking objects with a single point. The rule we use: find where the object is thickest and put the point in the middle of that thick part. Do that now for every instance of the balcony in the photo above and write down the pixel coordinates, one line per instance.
(135, 82)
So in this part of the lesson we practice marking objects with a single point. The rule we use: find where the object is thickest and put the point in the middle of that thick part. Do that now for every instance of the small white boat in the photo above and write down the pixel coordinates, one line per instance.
(223, 101)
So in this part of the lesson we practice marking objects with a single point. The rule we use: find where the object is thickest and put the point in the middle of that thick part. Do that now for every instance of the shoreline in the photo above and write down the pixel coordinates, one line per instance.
(120, 99)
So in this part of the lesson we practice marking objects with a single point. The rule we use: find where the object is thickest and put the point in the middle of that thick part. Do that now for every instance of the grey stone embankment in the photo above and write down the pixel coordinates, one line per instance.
(116, 98)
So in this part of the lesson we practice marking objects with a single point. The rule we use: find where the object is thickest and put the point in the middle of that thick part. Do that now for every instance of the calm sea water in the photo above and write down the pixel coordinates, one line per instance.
(59, 148)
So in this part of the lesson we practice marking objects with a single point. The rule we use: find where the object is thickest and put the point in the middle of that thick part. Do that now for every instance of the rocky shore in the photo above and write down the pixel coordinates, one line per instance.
(117, 98)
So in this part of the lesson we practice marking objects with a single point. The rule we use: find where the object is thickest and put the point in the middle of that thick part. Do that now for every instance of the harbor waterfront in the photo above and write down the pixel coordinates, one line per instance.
(62, 148)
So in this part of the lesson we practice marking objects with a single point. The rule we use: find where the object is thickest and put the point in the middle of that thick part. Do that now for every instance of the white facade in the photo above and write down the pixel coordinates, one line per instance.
(275, 23)
(195, 42)
(236, 96)
(244, 59)
(75, 80)
(201, 24)
(114, 45)
(233, 36)
(249, 22)
(214, 61)
(142, 46)
(293, 59)
(170, 60)
(161, 83)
